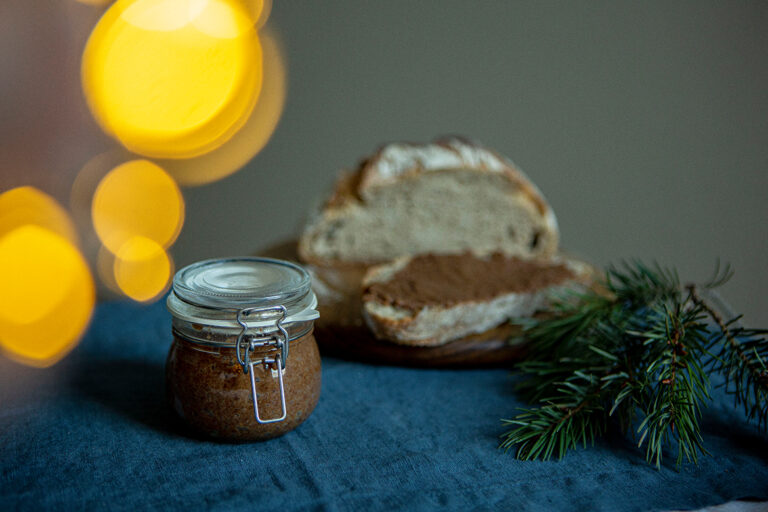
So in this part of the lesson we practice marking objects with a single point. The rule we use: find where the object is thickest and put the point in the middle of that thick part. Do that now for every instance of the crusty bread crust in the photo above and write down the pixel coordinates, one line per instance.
(398, 162)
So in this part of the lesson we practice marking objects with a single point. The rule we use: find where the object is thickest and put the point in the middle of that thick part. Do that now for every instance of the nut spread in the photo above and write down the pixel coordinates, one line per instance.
(449, 279)
(207, 389)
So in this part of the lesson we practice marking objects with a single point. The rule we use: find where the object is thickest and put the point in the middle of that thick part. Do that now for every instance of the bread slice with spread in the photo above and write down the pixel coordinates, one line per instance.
(429, 300)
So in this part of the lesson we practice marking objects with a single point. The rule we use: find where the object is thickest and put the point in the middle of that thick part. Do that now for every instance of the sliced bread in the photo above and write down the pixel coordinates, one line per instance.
(448, 196)
(429, 299)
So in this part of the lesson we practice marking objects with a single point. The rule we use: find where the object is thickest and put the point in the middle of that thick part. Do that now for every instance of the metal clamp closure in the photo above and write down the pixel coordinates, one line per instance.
(278, 340)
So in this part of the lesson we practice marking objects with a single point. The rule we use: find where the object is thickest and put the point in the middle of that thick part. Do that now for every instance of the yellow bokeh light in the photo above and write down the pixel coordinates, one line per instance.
(142, 269)
(28, 205)
(87, 180)
(173, 78)
(259, 10)
(105, 270)
(46, 295)
(251, 138)
(219, 19)
(95, 2)
(137, 198)
(158, 15)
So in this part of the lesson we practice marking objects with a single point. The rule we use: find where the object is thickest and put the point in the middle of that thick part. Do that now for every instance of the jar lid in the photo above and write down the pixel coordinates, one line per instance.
(213, 291)
(241, 282)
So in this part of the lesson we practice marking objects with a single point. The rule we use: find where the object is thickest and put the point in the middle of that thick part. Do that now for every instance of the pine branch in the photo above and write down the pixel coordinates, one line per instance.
(677, 384)
(742, 360)
(574, 415)
(639, 348)
(573, 411)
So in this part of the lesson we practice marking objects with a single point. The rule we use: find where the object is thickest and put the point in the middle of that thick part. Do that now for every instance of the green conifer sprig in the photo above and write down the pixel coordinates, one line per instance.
(637, 348)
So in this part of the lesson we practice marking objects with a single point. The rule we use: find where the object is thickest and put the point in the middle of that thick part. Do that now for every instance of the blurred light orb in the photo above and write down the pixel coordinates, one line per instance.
(260, 10)
(142, 269)
(87, 180)
(105, 270)
(47, 295)
(27, 205)
(95, 2)
(251, 138)
(173, 78)
(137, 198)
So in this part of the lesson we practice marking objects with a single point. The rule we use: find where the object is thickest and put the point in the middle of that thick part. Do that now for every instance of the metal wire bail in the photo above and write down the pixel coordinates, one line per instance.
(267, 362)
(278, 340)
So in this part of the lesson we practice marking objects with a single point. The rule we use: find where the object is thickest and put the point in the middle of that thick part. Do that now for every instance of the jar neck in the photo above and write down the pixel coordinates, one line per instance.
(256, 315)
(221, 336)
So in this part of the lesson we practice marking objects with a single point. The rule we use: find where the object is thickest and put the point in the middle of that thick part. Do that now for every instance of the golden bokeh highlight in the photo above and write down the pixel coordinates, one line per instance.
(252, 137)
(27, 205)
(225, 19)
(95, 2)
(258, 10)
(142, 269)
(105, 270)
(263, 8)
(137, 198)
(46, 295)
(87, 180)
(173, 78)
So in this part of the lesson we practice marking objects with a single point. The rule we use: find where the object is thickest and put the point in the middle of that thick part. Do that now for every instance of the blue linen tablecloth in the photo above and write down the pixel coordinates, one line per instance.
(93, 432)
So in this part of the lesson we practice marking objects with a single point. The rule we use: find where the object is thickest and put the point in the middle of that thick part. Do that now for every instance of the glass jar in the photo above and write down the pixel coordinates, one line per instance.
(244, 364)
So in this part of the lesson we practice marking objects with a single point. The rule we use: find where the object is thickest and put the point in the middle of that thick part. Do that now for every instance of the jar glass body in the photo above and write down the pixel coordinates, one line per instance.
(208, 389)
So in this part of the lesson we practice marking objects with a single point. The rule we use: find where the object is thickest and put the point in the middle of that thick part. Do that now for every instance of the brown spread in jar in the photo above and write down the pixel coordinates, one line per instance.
(449, 279)
(207, 388)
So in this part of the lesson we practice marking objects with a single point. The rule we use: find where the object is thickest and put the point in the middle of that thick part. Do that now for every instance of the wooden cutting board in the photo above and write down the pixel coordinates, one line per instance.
(488, 349)
(350, 339)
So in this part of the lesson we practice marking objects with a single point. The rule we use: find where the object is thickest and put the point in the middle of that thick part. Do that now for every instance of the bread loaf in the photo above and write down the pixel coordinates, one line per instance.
(445, 197)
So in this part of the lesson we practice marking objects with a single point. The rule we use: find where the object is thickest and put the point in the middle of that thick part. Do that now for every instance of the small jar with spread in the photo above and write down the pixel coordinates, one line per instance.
(244, 364)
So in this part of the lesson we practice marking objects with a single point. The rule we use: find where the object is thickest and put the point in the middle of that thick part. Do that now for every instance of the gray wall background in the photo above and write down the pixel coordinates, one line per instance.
(644, 123)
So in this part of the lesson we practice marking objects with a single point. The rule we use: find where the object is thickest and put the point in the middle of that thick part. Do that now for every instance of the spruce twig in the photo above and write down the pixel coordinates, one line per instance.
(742, 361)
(641, 348)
